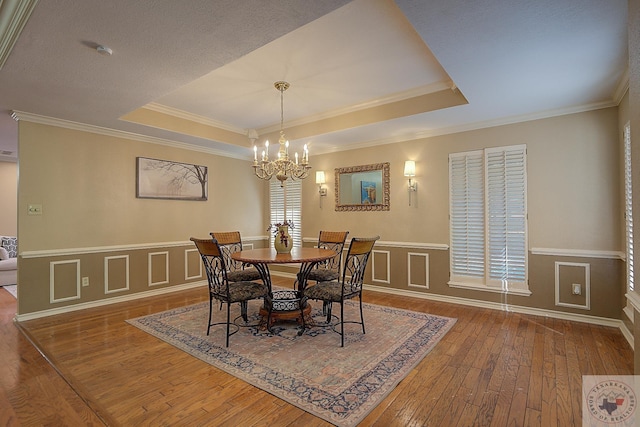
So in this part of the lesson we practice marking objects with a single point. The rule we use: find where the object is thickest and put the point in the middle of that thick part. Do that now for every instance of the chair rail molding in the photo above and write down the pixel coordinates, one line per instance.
(579, 253)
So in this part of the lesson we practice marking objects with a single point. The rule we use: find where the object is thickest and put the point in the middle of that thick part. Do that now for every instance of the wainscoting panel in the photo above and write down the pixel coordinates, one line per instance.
(381, 266)
(158, 268)
(192, 264)
(116, 274)
(418, 270)
(52, 279)
(568, 274)
(64, 280)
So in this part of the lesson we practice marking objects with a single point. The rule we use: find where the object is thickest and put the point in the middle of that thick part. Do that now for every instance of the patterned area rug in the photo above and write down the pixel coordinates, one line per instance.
(312, 371)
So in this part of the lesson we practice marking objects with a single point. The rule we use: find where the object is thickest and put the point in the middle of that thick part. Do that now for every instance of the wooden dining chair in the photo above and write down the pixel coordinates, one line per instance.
(330, 269)
(349, 285)
(230, 242)
(223, 290)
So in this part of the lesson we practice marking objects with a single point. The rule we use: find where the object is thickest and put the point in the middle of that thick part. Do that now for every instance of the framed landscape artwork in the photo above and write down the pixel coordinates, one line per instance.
(166, 179)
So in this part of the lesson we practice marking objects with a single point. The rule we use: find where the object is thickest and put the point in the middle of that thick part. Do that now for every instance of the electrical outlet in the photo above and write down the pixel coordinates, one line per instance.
(85, 281)
(576, 289)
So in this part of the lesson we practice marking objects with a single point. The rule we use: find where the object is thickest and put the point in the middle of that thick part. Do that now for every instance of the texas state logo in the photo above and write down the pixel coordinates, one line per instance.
(609, 401)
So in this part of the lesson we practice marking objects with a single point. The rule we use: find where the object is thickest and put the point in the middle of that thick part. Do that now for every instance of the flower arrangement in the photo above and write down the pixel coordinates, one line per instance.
(278, 231)
(276, 226)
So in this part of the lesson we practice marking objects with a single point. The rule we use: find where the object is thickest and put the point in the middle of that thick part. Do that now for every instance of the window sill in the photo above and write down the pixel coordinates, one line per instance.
(485, 288)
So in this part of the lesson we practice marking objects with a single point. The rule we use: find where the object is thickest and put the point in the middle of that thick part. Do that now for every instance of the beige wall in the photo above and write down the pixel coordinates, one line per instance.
(92, 222)
(85, 183)
(9, 199)
(574, 204)
(573, 184)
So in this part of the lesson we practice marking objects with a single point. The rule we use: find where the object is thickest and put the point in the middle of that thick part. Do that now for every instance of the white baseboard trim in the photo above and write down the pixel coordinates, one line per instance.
(602, 321)
(108, 301)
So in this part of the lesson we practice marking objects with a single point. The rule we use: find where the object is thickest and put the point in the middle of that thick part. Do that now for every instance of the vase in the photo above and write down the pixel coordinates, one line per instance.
(283, 241)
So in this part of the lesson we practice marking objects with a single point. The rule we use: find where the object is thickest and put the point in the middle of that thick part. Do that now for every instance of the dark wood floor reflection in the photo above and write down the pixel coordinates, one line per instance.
(493, 368)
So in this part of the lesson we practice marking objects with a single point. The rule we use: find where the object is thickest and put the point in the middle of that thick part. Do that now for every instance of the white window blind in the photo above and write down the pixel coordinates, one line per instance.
(628, 211)
(488, 219)
(506, 214)
(293, 191)
(466, 177)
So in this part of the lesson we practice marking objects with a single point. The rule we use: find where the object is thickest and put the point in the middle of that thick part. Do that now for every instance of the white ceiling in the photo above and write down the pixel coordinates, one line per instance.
(215, 62)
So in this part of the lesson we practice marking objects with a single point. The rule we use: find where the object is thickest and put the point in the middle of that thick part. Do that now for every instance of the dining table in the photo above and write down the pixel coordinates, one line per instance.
(285, 304)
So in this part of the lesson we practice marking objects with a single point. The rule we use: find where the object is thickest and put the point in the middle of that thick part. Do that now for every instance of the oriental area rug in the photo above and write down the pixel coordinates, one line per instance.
(338, 384)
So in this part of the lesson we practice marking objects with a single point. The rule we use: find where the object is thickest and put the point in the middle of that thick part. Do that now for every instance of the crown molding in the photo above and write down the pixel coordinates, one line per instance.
(181, 114)
(51, 121)
(14, 14)
(623, 87)
(474, 126)
(400, 96)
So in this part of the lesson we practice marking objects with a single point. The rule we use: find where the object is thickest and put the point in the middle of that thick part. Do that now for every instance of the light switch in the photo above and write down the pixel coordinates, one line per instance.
(34, 210)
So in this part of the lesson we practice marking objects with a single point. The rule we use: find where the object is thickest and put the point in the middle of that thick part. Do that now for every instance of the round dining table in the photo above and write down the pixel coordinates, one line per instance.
(284, 304)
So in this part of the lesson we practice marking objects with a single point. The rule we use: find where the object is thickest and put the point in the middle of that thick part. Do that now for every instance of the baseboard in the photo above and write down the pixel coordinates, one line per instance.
(114, 300)
(602, 321)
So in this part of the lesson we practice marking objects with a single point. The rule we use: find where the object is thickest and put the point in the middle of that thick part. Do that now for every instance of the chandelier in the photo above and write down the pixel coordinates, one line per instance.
(283, 167)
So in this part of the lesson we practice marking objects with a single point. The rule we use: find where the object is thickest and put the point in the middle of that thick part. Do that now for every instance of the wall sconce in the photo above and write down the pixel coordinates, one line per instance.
(410, 171)
(321, 180)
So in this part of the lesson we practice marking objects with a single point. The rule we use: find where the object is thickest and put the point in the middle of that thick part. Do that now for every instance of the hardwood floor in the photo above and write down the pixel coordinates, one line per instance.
(492, 369)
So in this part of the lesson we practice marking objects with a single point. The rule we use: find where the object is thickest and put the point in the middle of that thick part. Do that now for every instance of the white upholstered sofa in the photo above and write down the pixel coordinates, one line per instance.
(8, 260)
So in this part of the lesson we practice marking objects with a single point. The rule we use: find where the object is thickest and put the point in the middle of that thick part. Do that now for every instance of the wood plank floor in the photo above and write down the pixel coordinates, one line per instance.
(492, 369)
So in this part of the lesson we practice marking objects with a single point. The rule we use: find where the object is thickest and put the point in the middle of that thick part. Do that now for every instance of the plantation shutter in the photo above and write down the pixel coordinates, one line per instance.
(294, 207)
(506, 210)
(628, 210)
(466, 199)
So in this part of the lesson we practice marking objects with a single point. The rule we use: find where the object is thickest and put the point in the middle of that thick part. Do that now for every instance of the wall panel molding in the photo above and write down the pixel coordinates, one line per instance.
(151, 257)
(424, 279)
(52, 280)
(188, 276)
(586, 280)
(386, 279)
(107, 286)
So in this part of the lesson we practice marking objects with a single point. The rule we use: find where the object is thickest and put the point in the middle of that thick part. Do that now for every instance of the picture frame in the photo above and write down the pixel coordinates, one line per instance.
(348, 187)
(167, 179)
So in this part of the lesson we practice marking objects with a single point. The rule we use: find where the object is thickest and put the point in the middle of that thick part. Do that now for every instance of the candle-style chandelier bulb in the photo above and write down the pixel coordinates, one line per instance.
(283, 168)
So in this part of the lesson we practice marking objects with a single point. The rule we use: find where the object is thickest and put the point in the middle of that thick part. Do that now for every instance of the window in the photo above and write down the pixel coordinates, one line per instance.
(291, 195)
(628, 211)
(488, 219)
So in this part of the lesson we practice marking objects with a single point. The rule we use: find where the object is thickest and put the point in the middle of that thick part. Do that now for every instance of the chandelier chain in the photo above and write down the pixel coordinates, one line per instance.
(283, 168)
